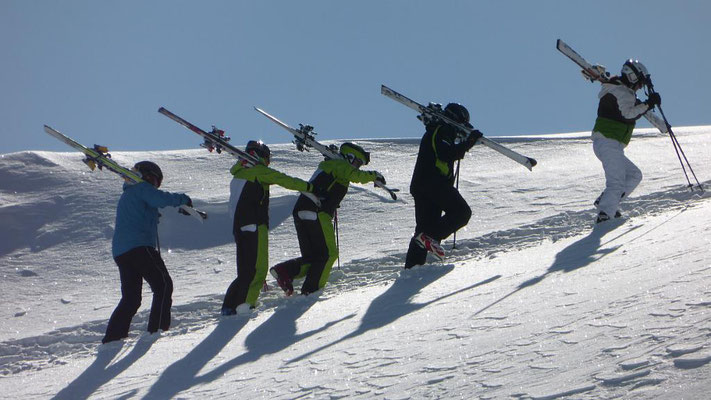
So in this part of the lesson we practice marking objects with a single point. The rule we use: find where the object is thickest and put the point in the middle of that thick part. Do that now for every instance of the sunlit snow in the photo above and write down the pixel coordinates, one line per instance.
(532, 303)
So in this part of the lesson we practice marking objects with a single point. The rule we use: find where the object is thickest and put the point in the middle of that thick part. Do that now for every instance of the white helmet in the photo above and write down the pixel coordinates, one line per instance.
(635, 72)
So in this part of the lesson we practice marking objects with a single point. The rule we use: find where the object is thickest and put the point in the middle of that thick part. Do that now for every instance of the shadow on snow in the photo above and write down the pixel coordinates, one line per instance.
(272, 336)
(101, 371)
(396, 302)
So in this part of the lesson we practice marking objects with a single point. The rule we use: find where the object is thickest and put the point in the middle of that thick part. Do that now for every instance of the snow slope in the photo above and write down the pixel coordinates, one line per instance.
(532, 303)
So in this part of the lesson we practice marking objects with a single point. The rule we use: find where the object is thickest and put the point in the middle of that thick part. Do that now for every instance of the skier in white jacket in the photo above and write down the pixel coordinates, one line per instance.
(617, 113)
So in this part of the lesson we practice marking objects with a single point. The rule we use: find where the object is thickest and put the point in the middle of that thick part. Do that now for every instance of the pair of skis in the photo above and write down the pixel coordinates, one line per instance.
(99, 156)
(215, 140)
(434, 112)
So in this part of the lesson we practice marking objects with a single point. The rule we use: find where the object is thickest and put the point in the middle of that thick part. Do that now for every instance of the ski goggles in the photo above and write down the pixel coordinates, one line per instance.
(354, 161)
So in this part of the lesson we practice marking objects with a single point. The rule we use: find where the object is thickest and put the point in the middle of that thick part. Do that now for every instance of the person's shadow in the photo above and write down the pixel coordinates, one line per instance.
(102, 371)
(273, 335)
(396, 302)
(577, 255)
(183, 373)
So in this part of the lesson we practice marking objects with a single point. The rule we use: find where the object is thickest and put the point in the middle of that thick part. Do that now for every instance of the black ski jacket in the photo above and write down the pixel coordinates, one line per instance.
(435, 161)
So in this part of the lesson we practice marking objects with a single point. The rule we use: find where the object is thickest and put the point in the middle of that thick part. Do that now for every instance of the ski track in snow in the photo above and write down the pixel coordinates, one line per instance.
(675, 334)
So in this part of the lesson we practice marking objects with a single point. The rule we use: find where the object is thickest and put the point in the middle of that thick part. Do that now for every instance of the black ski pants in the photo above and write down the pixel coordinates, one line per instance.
(429, 220)
(318, 252)
(134, 266)
(252, 268)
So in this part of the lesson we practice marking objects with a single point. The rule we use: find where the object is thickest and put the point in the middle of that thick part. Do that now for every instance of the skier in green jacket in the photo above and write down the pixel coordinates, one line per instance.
(314, 223)
(249, 193)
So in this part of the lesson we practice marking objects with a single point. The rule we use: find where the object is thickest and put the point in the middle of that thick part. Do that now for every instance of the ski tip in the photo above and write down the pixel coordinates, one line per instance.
(48, 129)
(530, 163)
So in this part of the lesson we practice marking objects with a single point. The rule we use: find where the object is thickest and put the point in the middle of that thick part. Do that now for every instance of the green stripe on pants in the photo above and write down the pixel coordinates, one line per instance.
(261, 266)
(330, 236)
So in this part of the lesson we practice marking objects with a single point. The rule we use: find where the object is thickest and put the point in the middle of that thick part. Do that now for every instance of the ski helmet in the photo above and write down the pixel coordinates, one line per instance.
(635, 73)
(457, 112)
(351, 152)
(261, 150)
(150, 170)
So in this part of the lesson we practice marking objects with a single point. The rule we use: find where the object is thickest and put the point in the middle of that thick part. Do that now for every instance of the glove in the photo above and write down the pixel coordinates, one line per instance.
(189, 202)
(654, 99)
(379, 177)
(473, 137)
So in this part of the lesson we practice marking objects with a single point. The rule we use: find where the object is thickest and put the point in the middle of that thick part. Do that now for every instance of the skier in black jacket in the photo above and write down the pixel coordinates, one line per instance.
(432, 185)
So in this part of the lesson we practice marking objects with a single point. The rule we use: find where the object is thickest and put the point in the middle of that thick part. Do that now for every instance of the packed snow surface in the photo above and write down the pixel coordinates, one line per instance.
(535, 302)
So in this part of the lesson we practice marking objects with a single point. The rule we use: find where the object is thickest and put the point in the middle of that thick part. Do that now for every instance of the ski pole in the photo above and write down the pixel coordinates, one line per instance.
(158, 238)
(456, 177)
(338, 246)
(677, 146)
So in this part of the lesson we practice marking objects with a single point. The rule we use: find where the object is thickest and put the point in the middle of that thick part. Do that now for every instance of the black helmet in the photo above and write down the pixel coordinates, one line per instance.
(457, 112)
(149, 169)
(261, 150)
(351, 151)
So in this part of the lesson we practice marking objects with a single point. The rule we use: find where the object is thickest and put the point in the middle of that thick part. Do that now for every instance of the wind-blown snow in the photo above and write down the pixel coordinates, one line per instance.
(532, 303)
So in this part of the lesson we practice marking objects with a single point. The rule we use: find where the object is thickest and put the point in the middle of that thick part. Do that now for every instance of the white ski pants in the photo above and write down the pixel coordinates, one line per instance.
(621, 175)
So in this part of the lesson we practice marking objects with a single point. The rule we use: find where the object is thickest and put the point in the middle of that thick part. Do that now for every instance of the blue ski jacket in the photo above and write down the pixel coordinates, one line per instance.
(137, 216)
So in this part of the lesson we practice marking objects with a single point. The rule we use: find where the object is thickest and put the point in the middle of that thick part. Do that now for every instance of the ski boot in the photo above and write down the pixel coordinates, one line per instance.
(602, 216)
(283, 280)
(430, 245)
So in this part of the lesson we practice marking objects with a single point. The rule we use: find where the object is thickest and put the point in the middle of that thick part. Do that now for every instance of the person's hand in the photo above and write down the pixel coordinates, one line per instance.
(474, 136)
(189, 203)
(654, 99)
(379, 177)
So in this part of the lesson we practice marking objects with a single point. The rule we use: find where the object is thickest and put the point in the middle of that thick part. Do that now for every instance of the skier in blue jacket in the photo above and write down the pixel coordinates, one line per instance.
(134, 248)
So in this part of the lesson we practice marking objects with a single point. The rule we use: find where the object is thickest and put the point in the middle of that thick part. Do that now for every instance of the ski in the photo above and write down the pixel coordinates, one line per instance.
(214, 140)
(99, 157)
(304, 139)
(434, 112)
(598, 73)
(217, 141)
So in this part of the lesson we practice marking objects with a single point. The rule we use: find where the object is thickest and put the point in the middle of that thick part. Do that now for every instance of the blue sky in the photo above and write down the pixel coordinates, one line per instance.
(99, 70)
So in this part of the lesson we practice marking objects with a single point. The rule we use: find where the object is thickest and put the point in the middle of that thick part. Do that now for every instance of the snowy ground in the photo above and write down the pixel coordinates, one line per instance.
(533, 302)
